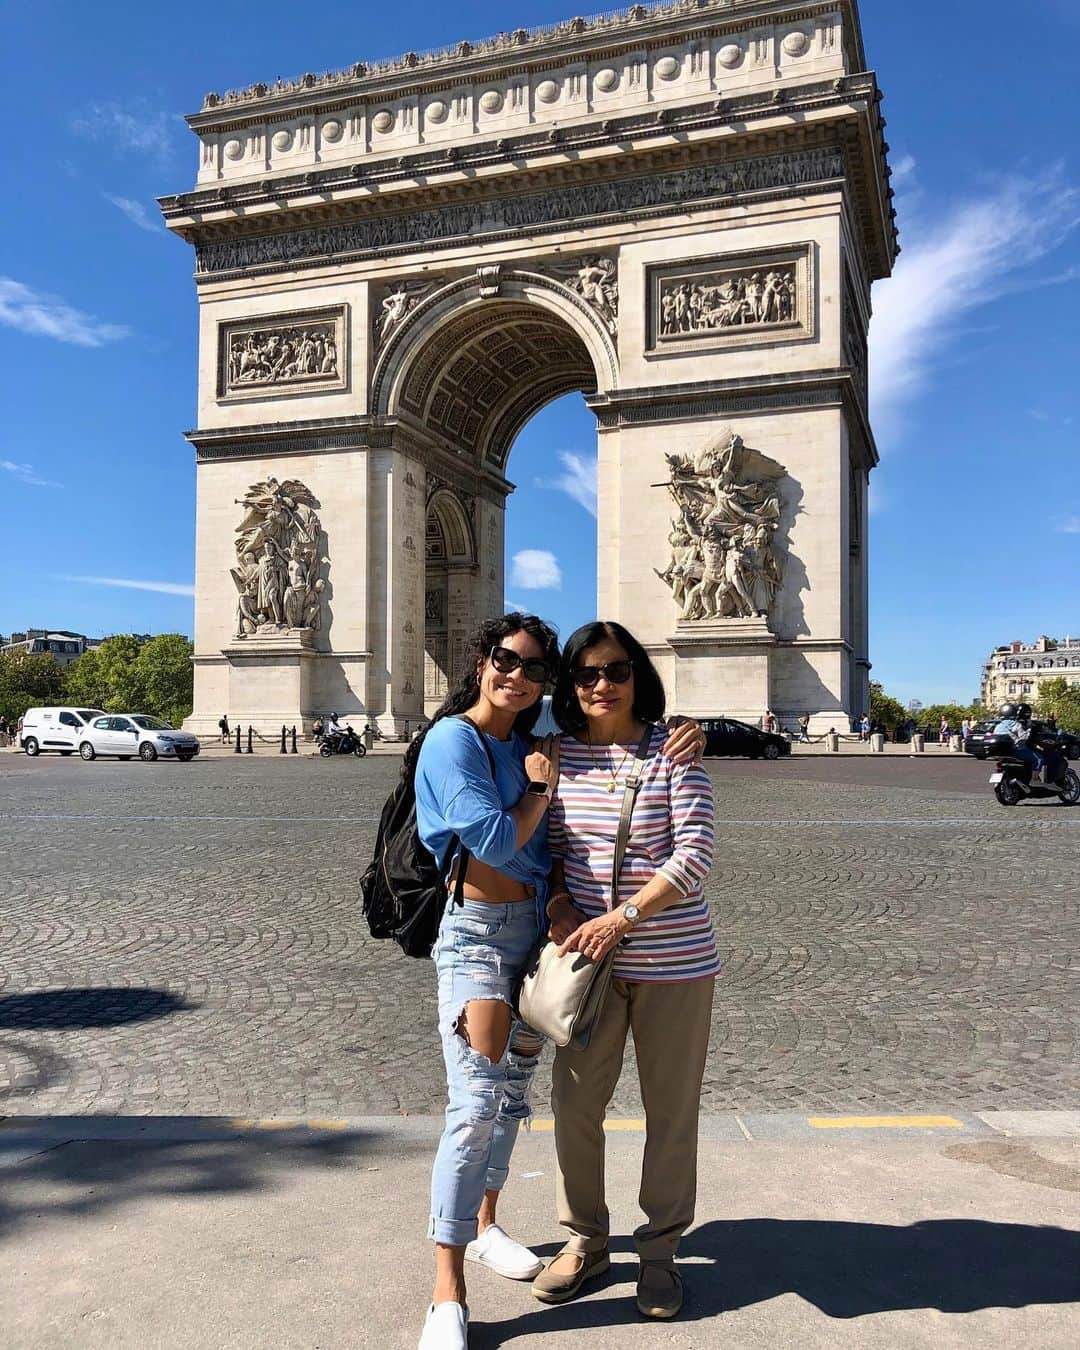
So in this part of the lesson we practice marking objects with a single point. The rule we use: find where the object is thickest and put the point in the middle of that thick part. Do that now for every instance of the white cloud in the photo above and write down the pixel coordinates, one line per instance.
(26, 473)
(577, 480)
(1069, 526)
(514, 607)
(535, 569)
(903, 171)
(136, 127)
(45, 315)
(162, 587)
(135, 212)
(973, 254)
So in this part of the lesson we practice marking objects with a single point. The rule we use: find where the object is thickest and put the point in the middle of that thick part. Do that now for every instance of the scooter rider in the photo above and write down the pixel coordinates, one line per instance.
(1026, 734)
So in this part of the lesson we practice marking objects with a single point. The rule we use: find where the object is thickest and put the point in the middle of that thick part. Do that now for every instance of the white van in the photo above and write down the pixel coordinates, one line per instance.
(54, 729)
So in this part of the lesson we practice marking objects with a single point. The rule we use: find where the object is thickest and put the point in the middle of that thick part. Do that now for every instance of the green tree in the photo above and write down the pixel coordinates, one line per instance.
(84, 682)
(120, 676)
(165, 676)
(28, 680)
(884, 708)
(1061, 700)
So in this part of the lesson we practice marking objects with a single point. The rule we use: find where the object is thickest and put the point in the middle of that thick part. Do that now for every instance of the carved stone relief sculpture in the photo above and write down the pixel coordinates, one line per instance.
(396, 304)
(267, 357)
(724, 563)
(279, 559)
(596, 281)
(731, 300)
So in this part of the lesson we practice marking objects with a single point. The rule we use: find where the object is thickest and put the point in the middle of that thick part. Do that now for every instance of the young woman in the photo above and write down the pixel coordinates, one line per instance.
(483, 945)
(606, 695)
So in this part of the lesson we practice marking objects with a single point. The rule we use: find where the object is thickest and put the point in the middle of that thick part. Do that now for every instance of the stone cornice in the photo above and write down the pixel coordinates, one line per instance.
(188, 212)
(468, 61)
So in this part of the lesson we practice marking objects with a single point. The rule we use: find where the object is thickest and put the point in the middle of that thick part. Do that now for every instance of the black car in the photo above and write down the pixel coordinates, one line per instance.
(976, 739)
(726, 736)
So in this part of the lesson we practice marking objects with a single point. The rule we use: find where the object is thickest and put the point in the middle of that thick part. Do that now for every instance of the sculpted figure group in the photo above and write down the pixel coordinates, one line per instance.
(278, 560)
(277, 355)
(723, 561)
(734, 301)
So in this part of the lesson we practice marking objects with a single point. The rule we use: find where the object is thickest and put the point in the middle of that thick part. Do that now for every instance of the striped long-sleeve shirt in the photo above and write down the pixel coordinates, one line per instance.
(671, 833)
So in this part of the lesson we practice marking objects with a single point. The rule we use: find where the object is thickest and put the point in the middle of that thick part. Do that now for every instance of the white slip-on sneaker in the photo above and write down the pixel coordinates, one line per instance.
(445, 1328)
(498, 1251)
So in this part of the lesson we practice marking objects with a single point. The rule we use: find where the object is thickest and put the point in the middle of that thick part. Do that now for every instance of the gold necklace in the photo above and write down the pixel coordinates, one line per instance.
(613, 772)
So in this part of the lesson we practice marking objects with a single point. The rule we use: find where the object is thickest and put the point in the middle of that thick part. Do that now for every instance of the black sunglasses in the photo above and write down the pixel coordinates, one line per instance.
(506, 661)
(615, 672)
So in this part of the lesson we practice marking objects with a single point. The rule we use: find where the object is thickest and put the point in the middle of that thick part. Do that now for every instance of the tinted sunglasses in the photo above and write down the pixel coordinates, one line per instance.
(615, 672)
(507, 661)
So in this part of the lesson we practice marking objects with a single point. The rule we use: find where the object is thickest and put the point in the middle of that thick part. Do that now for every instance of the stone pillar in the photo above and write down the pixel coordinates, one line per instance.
(396, 524)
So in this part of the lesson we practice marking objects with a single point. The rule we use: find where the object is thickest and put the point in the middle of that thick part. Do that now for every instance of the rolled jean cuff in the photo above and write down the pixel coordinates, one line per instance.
(453, 1232)
(496, 1178)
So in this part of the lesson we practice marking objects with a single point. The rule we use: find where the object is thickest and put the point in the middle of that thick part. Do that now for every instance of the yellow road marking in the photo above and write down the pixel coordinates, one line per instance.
(327, 1124)
(884, 1122)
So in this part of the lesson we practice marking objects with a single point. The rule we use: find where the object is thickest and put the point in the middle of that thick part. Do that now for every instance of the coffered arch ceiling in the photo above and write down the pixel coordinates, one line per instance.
(484, 373)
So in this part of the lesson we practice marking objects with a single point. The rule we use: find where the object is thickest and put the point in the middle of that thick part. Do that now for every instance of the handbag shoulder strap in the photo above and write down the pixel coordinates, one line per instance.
(630, 792)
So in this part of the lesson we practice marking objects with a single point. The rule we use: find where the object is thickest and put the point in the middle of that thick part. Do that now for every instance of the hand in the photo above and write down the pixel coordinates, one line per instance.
(686, 744)
(594, 938)
(542, 762)
(563, 918)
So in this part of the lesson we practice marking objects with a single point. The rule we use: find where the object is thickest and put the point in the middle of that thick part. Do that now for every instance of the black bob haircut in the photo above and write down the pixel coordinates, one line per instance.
(649, 698)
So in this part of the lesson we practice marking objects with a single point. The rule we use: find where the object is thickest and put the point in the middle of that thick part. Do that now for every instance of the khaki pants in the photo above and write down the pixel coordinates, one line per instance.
(671, 1025)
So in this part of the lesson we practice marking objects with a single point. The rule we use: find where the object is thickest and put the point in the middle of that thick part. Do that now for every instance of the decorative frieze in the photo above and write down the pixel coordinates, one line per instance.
(734, 299)
(556, 208)
(282, 354)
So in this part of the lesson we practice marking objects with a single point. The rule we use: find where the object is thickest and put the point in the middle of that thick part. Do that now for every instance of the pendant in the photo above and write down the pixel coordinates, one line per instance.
(612, 786)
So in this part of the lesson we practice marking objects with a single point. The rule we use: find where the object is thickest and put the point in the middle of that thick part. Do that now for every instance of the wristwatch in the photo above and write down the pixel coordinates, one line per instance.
(538, 788)
(631, 914)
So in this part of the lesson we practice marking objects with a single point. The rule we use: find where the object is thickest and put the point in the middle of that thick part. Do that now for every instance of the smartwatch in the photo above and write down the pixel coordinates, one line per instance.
(538, 788)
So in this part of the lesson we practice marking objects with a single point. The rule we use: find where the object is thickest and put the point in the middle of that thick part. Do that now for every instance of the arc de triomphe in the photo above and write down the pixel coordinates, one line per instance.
(677, 210)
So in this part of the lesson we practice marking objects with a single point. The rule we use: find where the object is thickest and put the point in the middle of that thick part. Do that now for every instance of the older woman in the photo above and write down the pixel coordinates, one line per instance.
(666, 962)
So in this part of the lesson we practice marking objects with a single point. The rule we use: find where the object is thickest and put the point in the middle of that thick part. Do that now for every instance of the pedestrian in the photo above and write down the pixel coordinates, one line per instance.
(500, 815)
(943, 730)
(864, 727)
(768, 722)
(608, 699)
(804, 729)
(223, 727)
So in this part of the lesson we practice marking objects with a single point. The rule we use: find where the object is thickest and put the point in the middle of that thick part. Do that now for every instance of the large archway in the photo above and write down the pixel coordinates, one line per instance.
(676, 210)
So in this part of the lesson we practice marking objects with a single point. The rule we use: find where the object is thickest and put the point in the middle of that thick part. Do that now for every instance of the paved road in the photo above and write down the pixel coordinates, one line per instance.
(892, 940)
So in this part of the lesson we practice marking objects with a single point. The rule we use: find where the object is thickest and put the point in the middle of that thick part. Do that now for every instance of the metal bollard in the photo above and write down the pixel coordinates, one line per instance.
(918, 744)
(283, 750)
(293, 750)
(250, 751)
(832, 742)
(237, 750)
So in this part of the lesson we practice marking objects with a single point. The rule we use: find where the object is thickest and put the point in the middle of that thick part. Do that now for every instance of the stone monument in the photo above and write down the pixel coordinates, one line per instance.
(676, 209)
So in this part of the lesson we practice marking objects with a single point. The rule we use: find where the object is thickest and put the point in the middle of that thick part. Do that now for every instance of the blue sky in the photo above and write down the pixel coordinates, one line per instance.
(974, 349)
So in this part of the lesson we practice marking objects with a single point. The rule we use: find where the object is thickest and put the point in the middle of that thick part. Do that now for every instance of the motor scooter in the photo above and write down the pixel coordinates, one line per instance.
(1014, 780)
(345, 742)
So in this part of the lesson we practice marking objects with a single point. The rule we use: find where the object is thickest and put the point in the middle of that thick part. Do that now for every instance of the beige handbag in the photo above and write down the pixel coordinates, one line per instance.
(561, 996)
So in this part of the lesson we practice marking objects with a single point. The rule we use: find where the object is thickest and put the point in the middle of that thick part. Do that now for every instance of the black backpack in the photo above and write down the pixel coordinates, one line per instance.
(404, 888)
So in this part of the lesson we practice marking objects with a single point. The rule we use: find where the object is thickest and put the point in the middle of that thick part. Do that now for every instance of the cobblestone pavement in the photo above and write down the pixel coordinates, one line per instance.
(892, 939)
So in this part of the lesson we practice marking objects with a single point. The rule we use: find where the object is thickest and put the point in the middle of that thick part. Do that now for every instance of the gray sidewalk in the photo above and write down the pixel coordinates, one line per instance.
(153, 1232)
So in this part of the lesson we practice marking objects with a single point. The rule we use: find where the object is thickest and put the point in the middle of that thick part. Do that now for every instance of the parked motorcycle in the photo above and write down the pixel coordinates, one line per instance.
(345, 742)
(1013, 780)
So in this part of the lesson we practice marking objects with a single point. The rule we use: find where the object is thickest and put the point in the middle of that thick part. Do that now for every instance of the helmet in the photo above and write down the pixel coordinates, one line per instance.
(1023, 711)
(1008, 711)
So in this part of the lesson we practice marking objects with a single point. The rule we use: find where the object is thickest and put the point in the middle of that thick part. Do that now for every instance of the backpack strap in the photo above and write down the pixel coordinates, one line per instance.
(464, 855)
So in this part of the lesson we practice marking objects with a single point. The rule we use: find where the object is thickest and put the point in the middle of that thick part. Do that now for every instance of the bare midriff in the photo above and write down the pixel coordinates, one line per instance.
(488, 883)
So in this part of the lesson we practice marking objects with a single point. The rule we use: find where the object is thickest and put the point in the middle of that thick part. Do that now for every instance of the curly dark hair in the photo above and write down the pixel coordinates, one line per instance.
(490, 634)
(649, 697)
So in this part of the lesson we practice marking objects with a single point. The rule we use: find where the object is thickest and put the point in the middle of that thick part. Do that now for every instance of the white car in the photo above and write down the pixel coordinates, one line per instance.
(129, 734)
(56, 729)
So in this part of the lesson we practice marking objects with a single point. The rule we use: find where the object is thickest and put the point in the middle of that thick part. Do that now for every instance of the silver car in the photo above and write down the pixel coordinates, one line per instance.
(128, 734)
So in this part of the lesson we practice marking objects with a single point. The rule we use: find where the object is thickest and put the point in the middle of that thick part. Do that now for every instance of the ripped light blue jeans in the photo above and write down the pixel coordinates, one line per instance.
(481, 951)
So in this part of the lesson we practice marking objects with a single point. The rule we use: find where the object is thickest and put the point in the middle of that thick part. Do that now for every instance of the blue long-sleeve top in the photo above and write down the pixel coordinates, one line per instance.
(456, 795)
